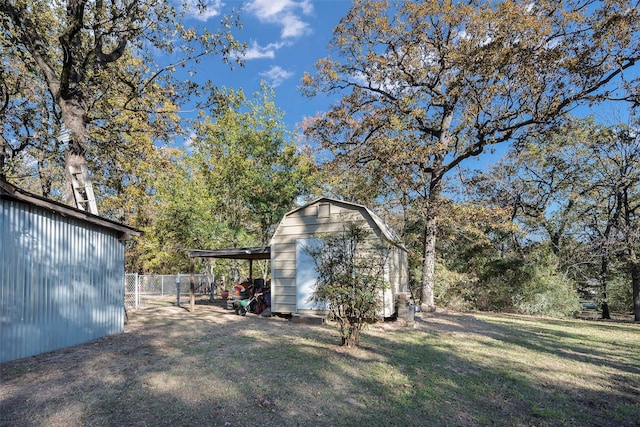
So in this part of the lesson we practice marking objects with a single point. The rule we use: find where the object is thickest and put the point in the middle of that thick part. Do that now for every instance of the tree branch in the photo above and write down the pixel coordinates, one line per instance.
(26, 31)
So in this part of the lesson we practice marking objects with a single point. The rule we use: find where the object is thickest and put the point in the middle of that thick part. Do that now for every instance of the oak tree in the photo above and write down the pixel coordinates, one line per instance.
(78, 48)
(617, 178)
(576, 189)
(425, 85)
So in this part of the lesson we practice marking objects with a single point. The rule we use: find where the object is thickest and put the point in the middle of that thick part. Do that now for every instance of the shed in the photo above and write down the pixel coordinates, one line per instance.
(293, 274)
(61, 274)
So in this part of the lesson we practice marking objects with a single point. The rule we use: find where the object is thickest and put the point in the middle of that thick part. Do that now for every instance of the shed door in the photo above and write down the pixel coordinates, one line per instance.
(306, 274)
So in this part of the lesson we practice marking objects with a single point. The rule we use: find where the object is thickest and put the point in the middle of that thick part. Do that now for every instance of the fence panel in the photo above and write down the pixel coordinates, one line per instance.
(131, 294)
(143, 290)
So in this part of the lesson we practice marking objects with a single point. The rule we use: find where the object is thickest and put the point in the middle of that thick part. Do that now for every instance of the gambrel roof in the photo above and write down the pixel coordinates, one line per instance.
(387, 233)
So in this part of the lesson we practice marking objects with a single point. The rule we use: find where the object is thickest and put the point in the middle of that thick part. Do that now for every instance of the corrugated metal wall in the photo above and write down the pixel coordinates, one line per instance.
(61, 281)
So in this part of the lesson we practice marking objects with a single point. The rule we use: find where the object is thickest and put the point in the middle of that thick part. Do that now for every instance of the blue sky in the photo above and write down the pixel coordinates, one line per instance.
(284, 38)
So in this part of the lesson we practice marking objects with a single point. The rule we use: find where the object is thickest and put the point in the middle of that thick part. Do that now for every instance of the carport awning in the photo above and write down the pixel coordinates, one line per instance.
(262, 252)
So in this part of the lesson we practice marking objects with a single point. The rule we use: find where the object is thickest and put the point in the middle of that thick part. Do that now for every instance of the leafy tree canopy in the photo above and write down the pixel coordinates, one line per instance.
(250, 162)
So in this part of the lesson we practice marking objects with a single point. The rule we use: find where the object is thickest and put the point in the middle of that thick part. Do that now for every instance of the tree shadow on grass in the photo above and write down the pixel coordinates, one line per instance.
(562, 338)
(502, 388)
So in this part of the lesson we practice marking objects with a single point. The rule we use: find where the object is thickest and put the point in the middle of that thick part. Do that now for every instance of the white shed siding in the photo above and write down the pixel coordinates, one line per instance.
(325, 216)
(398, 269)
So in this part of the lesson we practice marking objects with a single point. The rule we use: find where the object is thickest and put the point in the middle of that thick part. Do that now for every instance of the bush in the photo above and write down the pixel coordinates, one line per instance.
(454, 290)
(548, 294)
(528, 286)
(350, 281)
(500, 280)
(620, 294)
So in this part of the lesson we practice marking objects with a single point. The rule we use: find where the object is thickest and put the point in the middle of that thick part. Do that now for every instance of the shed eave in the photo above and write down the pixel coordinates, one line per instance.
(253, 253)
(10, 191)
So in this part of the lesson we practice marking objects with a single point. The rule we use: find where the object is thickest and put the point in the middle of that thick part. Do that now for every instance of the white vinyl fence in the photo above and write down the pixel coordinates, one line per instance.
(143, 290)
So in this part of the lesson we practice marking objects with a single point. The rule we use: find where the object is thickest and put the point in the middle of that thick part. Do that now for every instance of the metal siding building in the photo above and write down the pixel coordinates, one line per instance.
(61, 275)
(293, 273)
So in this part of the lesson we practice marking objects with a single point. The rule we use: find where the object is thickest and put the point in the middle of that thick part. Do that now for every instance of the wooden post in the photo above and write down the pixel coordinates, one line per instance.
(178, 290)
(192, 291)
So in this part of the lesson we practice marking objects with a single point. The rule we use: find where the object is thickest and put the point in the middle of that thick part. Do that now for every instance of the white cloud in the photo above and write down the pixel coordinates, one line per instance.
(293, 27)
(211, 8)
(276, 75)
(255, 51)
(286, 13)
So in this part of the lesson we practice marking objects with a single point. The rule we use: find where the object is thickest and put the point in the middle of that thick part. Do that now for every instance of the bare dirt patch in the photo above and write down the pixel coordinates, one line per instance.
(138, 377)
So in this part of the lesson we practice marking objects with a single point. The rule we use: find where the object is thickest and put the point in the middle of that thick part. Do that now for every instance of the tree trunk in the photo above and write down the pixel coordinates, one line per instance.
(635, 279)
(45, 179)
(2, 163)
(437, 172)
(428, 264)
(635, 282)
(352, 338)
(604, 268)
(605, 305)
(634, 265)
(74, 118)
(427, 302)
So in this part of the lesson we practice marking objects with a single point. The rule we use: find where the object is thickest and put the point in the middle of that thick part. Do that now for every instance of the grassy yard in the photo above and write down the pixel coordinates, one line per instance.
(214, 368)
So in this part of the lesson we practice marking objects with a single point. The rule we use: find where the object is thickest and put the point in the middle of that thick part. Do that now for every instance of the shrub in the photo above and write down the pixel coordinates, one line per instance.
(620, 294)
(350, 281)
(548, 294)
(529, 285)
(454, 290)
